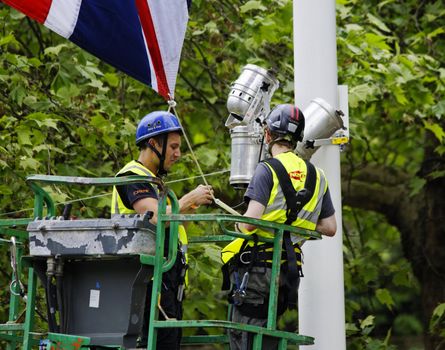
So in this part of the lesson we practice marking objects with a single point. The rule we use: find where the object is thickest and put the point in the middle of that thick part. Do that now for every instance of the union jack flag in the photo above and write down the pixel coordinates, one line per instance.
(142, 38)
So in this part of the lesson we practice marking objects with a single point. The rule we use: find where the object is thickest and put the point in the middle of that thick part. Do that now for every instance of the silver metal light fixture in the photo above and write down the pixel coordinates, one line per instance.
(248, 104)
(250, 95)
(321, 122)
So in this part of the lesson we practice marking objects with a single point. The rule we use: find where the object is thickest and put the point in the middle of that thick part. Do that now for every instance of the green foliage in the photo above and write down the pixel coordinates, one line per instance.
(378, 281)
(359, 336)
(437, 324)
(64, 112)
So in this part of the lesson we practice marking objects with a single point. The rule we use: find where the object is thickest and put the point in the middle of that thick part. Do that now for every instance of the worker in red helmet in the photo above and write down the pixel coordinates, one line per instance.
(158, 137)
(284, 189)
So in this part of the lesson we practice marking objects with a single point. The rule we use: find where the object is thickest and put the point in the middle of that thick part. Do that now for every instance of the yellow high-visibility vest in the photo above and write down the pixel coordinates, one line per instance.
(118, 207)
(276, 207)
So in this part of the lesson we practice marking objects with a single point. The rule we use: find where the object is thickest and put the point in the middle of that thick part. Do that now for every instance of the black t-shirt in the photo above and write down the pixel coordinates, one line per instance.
(261, 185)
(131, 193)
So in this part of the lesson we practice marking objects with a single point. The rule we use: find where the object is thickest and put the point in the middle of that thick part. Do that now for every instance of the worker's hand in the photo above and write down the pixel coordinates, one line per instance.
(201, 195)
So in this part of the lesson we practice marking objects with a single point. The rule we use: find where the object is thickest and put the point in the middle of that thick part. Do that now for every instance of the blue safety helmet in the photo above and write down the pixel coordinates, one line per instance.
(288, 121)
(156, 123)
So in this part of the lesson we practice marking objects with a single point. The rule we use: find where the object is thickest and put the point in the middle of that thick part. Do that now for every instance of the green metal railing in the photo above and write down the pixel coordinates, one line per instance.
(11, 331)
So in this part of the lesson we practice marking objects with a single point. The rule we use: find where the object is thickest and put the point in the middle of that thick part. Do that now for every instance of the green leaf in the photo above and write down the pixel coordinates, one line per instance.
(367, 322)
(437, 319)
(439, 311)
(35, 62)
(68, 91)
(416, 184)
(99, 122)
(112, 79)
(24, 135)
(378, 23)
(400, 95)
(43, 119)
(5, 190)
(18, 94)
(359, 93)
(377, 41)
(54, 50)
(435, 33)
(401, 279)
(436, 129)
(60, 80)
(86, 171)
(384, 296)
(439, 109)
(437, 174)
(3, 164)
(29, 163)
(8, 39)
(97, 84)
(351, 328)
(252, 5)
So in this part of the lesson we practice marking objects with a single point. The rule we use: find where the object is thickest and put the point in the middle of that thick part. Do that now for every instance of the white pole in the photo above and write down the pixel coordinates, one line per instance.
(321, 294)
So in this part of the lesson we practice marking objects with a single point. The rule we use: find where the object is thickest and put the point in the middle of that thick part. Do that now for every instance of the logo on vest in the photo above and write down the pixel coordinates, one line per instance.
(297, 175)
(141, 191)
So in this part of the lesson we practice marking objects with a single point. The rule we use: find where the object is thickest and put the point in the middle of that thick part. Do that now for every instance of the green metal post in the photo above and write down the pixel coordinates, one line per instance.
(257, 341)
(275, 280)
(157, 275)
(173, 236)
(41, 196)
(31, 301)
(282, 344)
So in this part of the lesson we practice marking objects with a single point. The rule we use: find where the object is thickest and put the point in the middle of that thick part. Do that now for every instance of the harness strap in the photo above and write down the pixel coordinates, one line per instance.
(292, 273)
(295, 201)
(161, 156)
(235, 262)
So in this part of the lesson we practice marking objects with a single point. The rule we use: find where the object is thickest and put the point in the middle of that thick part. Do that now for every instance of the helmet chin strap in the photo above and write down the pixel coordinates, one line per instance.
(161, 156)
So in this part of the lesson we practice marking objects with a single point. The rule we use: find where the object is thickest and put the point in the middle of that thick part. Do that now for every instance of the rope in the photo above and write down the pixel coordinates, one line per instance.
(195, 177)
(220, 203)
(171, 106)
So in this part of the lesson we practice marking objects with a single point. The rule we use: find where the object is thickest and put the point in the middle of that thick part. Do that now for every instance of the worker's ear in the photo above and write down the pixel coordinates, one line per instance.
(267, 137)
(153, 142)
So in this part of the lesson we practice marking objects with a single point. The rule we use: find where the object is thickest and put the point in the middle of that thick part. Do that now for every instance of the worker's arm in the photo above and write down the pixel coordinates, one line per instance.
(254, 210)
(199, 196)
(327, 226)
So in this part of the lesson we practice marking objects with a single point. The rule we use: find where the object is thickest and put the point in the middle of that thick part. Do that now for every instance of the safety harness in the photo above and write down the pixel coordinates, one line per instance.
(257, 254)
(295, 201)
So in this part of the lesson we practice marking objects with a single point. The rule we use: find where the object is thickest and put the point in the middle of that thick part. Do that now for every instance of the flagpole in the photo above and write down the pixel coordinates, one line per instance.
(321, 294)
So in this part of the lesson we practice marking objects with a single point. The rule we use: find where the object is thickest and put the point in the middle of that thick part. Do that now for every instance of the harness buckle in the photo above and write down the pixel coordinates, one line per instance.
(238, 297)
(241, 257)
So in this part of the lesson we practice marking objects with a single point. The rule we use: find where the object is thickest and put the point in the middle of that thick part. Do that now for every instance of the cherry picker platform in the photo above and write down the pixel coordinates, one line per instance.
(95, 273)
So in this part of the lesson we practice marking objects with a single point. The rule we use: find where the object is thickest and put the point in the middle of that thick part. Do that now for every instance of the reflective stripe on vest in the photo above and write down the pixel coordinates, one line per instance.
(276, 207)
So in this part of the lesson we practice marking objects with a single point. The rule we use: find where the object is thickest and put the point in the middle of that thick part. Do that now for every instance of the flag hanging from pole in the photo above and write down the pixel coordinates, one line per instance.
(142, 38)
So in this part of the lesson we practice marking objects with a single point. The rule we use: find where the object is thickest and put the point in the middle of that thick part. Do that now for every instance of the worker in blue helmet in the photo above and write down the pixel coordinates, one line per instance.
(158, 137)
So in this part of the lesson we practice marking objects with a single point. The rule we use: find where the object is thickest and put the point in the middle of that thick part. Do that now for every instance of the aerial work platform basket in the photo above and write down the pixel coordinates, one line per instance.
(95, 273)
